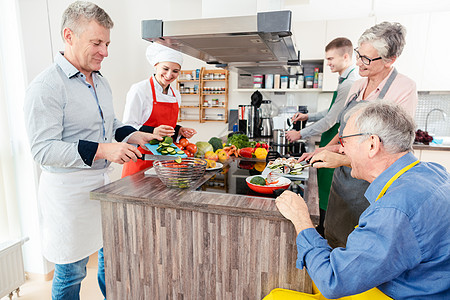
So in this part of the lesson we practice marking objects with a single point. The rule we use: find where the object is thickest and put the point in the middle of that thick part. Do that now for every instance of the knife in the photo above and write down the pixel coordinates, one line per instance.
(157, 157)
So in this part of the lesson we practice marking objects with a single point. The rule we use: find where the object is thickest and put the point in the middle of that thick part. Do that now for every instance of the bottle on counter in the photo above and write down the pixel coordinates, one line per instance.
(316, 78)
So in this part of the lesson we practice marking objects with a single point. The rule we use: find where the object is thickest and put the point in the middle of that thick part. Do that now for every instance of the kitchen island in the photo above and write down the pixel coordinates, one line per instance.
(162, 243)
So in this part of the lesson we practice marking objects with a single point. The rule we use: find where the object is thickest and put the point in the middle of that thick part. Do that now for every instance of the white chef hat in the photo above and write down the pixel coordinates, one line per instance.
(157, 53)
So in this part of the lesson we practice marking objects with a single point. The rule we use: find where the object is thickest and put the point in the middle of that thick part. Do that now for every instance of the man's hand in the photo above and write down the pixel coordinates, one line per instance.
(299, 117)
(117, 152)
(308, 155)
(141, 138)
(294, 208)
(293, 135)
(187, 132)
(328, 159)
(164, 130)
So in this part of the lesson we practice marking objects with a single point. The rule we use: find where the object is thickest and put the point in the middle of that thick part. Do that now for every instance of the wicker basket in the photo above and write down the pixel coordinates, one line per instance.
(180, 175)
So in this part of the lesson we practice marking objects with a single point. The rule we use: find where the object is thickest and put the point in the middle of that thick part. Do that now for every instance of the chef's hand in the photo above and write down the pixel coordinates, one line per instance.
(294, 208)
(164, 130)
(141, 138)
(187, 132)
(117, 152)
(293, 135)
(328, 159)
(299, 117)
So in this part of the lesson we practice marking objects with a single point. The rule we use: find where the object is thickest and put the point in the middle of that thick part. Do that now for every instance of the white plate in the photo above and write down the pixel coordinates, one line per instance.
(217, 167)
(304, 175)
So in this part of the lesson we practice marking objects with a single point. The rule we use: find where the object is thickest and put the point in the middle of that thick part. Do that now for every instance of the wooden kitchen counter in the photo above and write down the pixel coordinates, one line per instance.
(162, 243)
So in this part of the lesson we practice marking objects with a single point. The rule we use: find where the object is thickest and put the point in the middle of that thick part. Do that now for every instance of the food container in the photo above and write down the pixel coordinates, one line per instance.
(283, 183)
(180, 175)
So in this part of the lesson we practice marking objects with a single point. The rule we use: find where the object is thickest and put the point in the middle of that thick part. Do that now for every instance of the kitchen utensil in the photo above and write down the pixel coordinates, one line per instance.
(180, 175)
(159, 157)
(283, 183)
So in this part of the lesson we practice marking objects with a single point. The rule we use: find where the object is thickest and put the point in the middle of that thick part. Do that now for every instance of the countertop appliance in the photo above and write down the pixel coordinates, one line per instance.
(266, 122)
(246, 122)
(261, 43)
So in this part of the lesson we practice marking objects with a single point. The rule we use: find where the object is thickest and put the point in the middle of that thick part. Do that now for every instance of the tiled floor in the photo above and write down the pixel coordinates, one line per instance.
(41, 290)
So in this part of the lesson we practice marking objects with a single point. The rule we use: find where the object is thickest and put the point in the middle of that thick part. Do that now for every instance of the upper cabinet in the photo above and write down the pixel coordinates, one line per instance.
(412, 60)
(349, 28)
(423, 58)
(436, 64)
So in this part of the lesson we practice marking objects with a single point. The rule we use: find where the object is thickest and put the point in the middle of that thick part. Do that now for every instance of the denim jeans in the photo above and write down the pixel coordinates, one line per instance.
(67, 278)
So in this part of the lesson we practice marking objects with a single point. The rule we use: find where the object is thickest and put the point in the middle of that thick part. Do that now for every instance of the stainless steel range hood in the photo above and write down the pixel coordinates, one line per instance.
(255, 44)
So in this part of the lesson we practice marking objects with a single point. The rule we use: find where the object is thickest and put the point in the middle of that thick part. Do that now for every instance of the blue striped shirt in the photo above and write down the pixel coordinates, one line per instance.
(66, 118)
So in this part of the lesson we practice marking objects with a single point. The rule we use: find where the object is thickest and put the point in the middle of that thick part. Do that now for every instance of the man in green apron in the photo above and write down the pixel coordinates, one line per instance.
(338, 54)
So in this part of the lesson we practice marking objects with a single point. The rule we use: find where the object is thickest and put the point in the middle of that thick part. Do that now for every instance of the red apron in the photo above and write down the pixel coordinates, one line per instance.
(163, 113)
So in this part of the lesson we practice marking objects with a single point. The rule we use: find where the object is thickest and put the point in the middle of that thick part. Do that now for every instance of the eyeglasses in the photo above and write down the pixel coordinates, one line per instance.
(341, 138)
(364, 59)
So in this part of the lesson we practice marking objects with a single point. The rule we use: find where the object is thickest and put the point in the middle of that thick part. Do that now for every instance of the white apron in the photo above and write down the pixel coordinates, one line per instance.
(70, 222)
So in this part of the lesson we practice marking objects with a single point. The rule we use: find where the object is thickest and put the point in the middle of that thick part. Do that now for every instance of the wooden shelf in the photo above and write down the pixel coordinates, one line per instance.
(202, 94)
(208, 120)
(281, 90)
(188, 120)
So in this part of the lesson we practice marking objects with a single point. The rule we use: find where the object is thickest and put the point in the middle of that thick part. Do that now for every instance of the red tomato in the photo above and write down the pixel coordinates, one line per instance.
(191, 148)
(184, 142)
(188, 153)
(179, 146)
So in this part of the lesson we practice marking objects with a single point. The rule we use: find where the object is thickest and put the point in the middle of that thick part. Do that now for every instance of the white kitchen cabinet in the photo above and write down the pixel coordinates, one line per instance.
(440, 157)
(412, 61)
(310, 39)
(349, 28)
(437, 64)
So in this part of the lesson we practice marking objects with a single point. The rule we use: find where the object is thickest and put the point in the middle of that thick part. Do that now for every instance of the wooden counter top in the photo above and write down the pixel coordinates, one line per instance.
(143, 189)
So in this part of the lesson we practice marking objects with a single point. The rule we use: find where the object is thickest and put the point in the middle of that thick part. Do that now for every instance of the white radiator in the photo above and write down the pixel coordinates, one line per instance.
(12, 273)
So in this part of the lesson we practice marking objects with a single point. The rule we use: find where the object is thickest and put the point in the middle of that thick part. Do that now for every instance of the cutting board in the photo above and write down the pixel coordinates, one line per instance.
(152, 149)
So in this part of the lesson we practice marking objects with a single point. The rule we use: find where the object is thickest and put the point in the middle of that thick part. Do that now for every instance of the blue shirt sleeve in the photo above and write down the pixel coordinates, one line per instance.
(379, 250)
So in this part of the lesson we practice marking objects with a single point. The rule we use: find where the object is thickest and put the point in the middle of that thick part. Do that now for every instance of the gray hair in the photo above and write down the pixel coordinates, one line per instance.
(387, 38)
(80, 12)
(387, 120)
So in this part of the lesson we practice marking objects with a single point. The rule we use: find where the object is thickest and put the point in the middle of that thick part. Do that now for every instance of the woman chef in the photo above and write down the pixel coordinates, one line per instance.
(152, 104)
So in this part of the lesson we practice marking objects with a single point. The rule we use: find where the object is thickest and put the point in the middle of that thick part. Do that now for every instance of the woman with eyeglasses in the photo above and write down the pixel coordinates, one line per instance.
(378, 49)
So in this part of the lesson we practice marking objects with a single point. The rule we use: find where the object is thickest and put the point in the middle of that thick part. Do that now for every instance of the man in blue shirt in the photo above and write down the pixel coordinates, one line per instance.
(402, 242)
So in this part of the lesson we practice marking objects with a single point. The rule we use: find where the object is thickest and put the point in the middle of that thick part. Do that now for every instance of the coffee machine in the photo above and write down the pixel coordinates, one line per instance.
(265, 119)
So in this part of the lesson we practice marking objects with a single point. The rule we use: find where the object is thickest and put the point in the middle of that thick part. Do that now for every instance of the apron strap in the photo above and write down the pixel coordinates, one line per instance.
(388, 84)
(397, 175)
